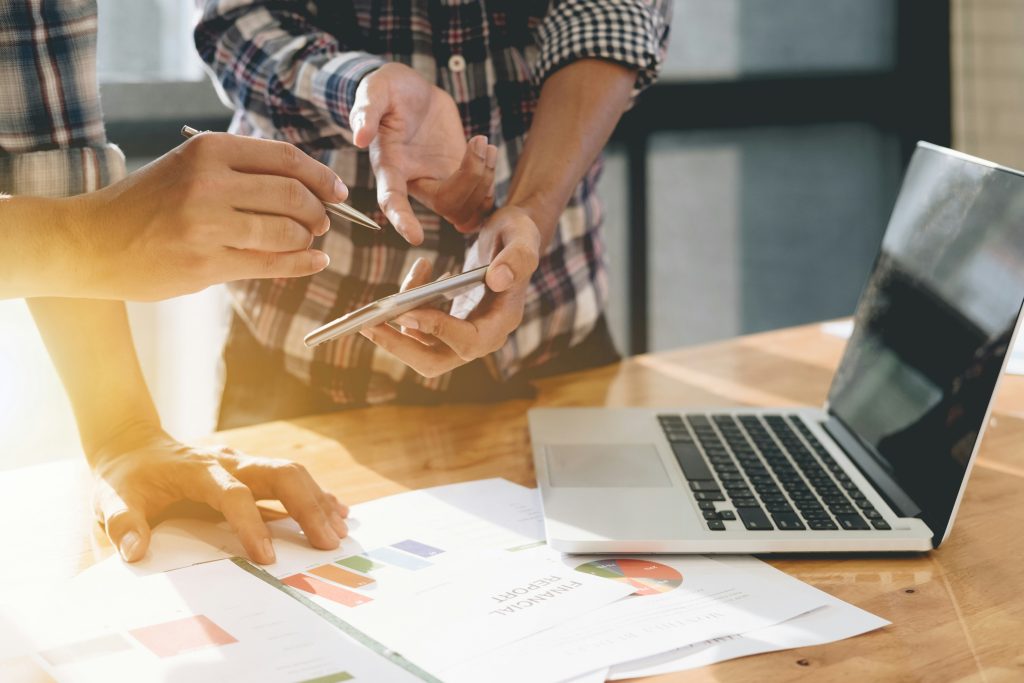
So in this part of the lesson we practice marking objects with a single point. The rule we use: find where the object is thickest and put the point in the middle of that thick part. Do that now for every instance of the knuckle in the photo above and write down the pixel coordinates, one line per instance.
(269, 263)
(386, 198)
(435, 326)
(290, 159)
(202, 145)
(327, 180)
(294, 470)
(280, 230)
(237, 493)
(294, 194)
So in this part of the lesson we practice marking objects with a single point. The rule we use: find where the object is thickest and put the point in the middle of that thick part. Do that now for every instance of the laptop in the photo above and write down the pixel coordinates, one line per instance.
(882, 466)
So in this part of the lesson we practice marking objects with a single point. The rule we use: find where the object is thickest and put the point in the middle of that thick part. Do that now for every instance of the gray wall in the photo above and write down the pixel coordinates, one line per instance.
(759, 228)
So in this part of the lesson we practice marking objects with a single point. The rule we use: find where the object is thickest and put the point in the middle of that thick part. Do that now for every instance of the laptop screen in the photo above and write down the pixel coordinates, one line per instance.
(934, 323)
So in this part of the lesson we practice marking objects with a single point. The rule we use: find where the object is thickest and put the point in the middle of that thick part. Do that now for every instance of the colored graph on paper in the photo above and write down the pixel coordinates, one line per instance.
(351, 581)
(648, 578)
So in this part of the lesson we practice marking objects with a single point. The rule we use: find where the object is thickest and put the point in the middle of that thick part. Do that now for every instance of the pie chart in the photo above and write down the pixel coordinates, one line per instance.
(649, 578)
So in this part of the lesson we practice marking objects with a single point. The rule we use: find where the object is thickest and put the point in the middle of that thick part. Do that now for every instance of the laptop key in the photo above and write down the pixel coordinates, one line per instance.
(880, 524)
(852, 522)
(691, 460)
(716, 525)
(754, 518)
(709, 495)
(727, 515)
(710, 514)
(706, 505)
(873, 514)
(704, 485)
(788, 521)
(822, 524)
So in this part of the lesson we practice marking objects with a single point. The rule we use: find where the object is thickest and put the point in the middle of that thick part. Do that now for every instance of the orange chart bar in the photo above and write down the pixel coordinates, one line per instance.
(336, 574)
(327, 591)
(182, 635)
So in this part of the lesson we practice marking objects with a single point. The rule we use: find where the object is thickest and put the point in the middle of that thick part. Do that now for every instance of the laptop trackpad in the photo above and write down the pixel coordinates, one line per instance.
(606, 465)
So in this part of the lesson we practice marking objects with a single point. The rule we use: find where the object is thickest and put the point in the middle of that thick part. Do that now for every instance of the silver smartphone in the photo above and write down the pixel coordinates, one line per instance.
(390, 307)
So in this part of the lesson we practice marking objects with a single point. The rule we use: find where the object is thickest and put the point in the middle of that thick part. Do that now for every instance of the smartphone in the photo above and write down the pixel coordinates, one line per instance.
(390, 307)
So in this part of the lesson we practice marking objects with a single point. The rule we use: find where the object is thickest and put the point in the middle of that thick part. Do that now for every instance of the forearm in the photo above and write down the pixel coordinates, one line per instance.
(40, 241)
(90, 342)
(578, 109)
(292, 77)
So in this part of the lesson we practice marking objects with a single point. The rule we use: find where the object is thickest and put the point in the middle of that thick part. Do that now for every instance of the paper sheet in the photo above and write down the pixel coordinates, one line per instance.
(214, 622)
(678, 600)
(439, 575)
(398, 542)
(599, 676)
(469, 605)
(836, 620)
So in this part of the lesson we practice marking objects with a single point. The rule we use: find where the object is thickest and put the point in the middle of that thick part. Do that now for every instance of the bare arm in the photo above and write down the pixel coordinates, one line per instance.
(578, 109)
(139, 469)
(37, 240)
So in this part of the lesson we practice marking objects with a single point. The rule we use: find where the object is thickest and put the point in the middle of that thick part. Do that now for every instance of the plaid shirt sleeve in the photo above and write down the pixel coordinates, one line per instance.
(272, 60)
(633, 33)
(52, 140)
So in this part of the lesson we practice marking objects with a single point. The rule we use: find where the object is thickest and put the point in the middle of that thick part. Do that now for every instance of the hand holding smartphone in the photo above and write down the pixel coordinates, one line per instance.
(390, 307)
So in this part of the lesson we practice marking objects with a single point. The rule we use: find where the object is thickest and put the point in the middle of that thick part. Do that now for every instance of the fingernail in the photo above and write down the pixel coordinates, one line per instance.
(340, 191)
(408, 321)
(501, 278)
(480, 147)
(492, 156)
(269, 557)
(129, 546)
(339, 524)
(320, 260)
(324, 227)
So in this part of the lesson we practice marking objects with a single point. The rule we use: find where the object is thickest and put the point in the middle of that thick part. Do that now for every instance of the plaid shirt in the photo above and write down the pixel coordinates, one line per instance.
(291, 68)
(52, 141)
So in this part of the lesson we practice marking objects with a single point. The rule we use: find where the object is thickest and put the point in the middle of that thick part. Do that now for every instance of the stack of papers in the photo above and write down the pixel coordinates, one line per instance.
(448, 584)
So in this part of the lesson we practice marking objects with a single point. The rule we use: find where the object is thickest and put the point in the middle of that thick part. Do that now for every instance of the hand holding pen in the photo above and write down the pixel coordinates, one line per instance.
(218, 208)
(334, 208)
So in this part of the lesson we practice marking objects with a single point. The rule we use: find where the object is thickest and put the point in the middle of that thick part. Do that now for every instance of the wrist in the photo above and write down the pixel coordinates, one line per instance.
(132, 434)
(44, 247)
(543, 210)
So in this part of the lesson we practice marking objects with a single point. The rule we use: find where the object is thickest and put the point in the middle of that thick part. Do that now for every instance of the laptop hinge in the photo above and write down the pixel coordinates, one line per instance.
(868, 463)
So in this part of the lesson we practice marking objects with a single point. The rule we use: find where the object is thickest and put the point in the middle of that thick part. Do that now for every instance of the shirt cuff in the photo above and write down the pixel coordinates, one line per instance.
(339, 79)
(61, 172)
(633, 34)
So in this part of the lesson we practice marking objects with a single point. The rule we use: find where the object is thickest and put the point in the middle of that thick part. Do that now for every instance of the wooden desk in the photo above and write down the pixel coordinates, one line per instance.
(958, 613)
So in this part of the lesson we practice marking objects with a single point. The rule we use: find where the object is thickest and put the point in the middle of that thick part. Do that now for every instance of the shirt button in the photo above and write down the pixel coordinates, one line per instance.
(457, 63)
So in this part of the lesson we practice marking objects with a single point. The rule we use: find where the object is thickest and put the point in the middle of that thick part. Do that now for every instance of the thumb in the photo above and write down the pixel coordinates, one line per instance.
(127, 529)
(370, 104)
(518, 257)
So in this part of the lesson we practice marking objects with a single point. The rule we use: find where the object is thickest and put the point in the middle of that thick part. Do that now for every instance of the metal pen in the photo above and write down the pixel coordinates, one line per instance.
(334, 208)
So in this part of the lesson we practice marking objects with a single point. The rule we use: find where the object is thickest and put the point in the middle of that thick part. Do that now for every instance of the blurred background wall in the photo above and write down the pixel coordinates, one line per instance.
(747, 191)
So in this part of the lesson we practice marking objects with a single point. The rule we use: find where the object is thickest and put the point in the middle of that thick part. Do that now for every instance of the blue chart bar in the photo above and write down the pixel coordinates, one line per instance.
(417, 548)
(398, 558)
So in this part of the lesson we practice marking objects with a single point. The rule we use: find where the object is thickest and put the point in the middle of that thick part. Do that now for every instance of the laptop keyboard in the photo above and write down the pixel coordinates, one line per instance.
(767, 471)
